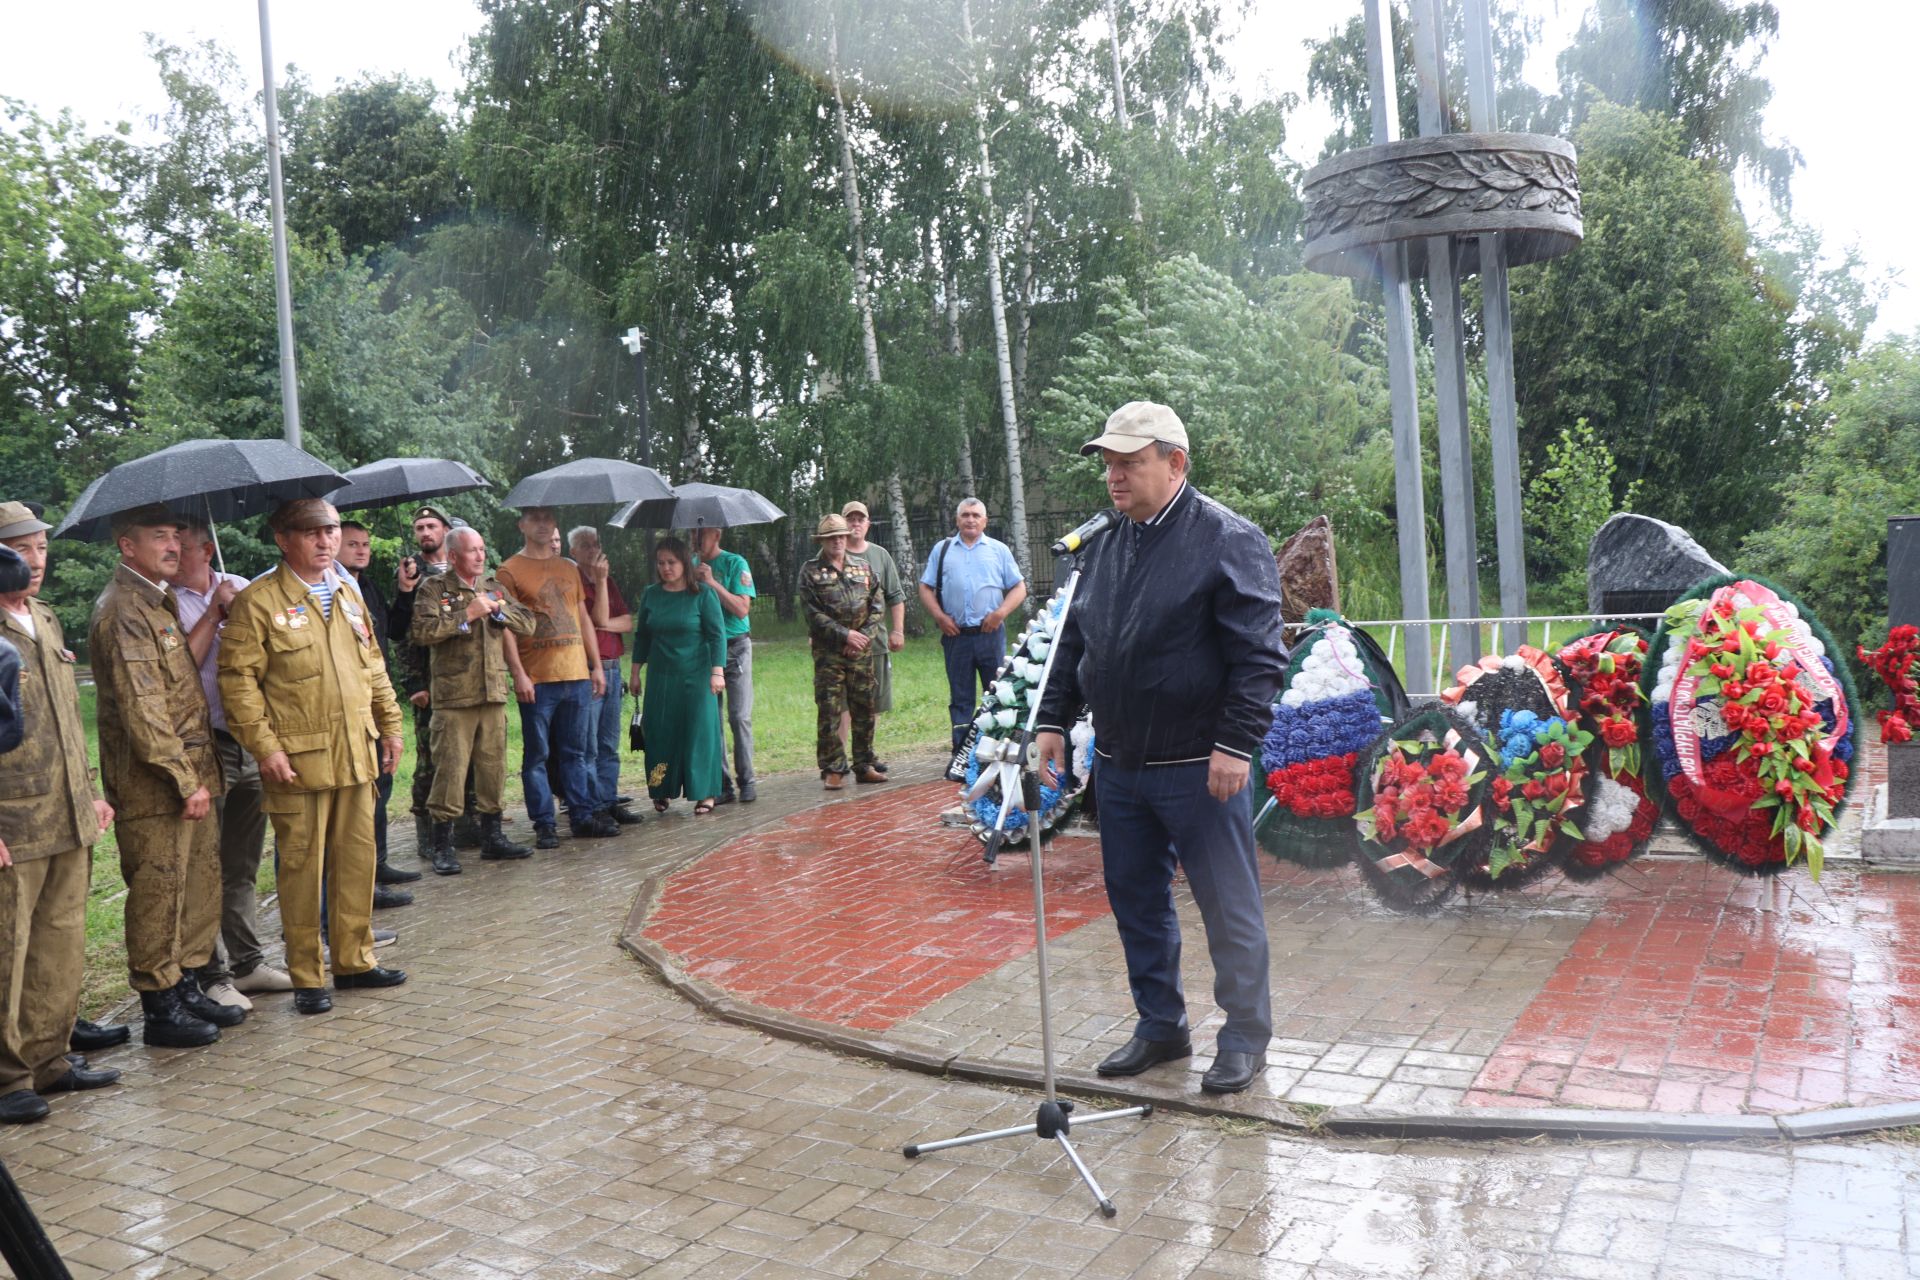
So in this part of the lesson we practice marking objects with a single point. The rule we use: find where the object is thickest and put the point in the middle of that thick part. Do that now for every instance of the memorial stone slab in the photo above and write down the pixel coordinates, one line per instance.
(1309, 576)
(1636, 564)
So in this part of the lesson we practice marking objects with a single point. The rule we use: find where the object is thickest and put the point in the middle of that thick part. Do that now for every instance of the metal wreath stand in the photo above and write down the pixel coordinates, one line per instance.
(1015, 767)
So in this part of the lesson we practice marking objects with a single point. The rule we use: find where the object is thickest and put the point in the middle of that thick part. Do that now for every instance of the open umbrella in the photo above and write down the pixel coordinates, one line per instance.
(219, 479)
(588, 482)
(697, 505)
(392, 481)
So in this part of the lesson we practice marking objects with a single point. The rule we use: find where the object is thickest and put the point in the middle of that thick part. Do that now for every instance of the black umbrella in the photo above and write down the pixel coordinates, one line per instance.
(218, 479)
(586, 482)
(392, 481)
(698, 505)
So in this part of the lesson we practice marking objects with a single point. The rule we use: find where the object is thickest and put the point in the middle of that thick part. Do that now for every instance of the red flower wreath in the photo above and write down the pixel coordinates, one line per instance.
(1893, 663)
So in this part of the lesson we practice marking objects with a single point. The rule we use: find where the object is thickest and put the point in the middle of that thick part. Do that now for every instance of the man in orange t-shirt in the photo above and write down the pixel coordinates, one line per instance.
(556, 677)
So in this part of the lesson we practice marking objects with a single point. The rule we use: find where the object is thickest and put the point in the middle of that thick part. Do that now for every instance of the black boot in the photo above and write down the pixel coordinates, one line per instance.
(169, 1026)
(466, 832)
(444, 863)
(387, 873)
(494, 845)
(204, 1007)
(384, 896)
(422, 836)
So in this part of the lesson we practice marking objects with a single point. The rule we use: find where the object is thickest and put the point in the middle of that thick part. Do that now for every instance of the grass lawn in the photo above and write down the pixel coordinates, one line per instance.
(783, 732)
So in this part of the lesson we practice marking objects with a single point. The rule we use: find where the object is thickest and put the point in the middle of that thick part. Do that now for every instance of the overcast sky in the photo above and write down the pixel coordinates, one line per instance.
(1837, 71)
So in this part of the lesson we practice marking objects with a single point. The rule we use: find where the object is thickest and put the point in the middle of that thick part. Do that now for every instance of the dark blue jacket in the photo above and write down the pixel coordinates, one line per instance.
(1173, 640)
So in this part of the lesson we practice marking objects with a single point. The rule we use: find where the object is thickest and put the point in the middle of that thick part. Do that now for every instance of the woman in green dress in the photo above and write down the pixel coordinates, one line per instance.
(678, 638)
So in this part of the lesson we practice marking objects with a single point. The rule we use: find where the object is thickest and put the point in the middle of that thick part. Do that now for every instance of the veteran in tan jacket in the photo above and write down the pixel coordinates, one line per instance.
(305, 690)
(49, 820)
(161, 772)
(461, 617)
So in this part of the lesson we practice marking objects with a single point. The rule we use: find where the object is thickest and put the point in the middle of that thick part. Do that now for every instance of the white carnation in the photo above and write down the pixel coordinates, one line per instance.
(1611, 811)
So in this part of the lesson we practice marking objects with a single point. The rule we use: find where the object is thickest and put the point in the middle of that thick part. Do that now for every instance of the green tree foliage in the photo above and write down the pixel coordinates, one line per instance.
(1665, 334)
(1829, 540)
(372, 163)
(72, 291)
(1278, 412)
(1570, 496)
(1694, 62)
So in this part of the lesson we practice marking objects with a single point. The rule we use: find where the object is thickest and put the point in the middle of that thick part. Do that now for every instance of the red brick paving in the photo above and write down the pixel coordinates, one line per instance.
(1719, 993)
(865, 912)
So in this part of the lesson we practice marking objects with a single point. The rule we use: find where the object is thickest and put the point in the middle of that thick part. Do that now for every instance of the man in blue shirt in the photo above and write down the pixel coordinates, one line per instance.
(970, 586)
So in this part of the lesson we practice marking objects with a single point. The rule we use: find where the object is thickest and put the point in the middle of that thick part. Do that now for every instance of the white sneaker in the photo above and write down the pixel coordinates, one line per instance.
(226, 993)
(266, 978)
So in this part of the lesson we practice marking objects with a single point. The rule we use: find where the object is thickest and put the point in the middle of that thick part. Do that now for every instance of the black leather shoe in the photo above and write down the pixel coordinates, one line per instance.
(23, 1106)
(385, 897)
(747, 794)
(374, 977)
(622, 815)
(726, 797)
(83, 1077)
(204, 1007)
(1232, 1071)
(387, 873)
(545, 837)
(168, 1025)
(312, 1000)
(594, 826)
(89, 1037)
(1137, 1055)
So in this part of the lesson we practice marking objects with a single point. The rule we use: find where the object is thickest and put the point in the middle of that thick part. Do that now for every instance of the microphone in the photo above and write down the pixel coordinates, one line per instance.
(1087, 532)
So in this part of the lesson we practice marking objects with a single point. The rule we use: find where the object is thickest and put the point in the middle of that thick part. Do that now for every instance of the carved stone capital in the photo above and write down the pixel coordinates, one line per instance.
(1522, 185)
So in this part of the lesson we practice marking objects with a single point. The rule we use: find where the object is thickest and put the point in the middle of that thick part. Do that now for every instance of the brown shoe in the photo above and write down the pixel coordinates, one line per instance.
(867, 773)
(833, 781)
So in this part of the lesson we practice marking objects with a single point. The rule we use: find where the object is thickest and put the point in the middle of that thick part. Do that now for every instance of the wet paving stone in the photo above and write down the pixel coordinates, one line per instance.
(535, 1103)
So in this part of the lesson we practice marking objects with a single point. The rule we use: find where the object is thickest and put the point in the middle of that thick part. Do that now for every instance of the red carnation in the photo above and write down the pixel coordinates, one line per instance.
(1553, 755)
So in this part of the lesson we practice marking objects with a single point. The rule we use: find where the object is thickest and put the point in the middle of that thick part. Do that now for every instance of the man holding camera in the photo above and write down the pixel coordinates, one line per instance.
(1173, 643)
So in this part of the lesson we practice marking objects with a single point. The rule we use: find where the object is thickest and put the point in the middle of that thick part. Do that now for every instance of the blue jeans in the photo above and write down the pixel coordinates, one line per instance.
(970, 656)
(556, 721)
(1150, 819)
(605, 726)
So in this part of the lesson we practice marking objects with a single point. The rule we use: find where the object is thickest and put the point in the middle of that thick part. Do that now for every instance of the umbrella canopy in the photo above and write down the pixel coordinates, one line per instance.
(698, 506)
(588, 482)
(392, 481)
(219, 479)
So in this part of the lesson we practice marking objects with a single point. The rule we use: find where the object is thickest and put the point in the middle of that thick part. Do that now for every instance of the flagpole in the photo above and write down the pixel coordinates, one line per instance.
(282, 277)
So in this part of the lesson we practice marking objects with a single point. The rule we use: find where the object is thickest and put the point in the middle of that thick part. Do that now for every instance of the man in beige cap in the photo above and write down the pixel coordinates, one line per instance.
(889, 631)
(162, 774)
(306, 692)
(1173, 644)
(49, 819)
(841, 597)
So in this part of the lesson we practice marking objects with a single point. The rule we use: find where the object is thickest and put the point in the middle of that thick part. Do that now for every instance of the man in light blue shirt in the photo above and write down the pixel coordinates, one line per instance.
(970, 586)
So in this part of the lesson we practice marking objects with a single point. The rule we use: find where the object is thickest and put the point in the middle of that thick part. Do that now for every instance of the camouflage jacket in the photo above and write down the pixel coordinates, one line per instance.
(156, 740)
(469, 667)
(46, 786)
(839, 601)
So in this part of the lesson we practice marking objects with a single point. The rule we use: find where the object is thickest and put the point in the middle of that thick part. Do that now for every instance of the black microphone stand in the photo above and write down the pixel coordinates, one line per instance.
(1016, 768)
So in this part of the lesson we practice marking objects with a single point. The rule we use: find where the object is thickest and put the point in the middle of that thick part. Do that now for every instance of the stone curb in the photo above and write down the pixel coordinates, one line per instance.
(1462, 1124)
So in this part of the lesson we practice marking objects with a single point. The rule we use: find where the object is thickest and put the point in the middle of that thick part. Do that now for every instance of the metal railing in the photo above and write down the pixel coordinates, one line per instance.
(1547, 621)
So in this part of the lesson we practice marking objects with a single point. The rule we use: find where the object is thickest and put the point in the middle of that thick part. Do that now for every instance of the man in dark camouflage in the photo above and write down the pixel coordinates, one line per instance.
(841, 598)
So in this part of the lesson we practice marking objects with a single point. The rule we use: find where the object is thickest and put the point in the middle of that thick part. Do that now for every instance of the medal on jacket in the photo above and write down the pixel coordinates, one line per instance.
(168, 640)
(296, 616)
